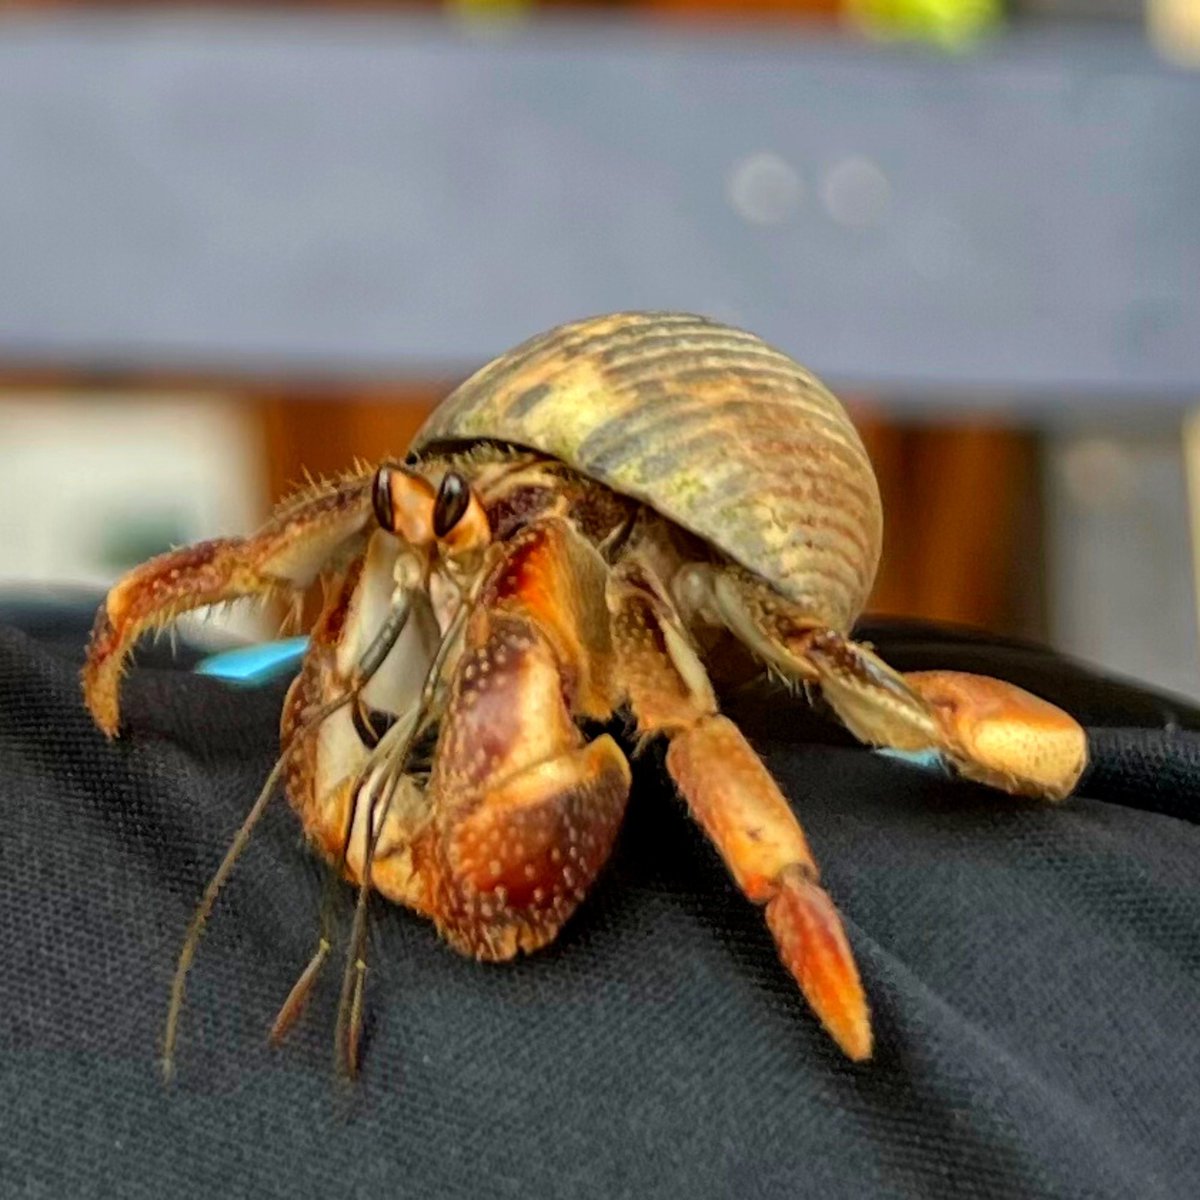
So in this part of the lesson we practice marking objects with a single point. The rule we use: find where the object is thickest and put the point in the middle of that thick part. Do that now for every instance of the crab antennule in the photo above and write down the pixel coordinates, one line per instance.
(212, 890)
(394, 751)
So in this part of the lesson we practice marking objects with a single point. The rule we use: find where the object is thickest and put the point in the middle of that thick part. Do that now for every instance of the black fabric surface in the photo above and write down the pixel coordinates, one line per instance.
(1034, 973)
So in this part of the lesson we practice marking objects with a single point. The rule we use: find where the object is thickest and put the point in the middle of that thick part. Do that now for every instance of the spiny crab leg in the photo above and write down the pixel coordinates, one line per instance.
(736, 802)
(389, 633)
(283, 558)
(987, 730)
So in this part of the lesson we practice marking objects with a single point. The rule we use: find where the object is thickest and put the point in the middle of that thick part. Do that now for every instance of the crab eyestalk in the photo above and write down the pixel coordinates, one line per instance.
(449, 516)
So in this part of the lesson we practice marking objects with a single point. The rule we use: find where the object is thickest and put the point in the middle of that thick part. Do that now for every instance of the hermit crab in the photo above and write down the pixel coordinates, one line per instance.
(591, 525)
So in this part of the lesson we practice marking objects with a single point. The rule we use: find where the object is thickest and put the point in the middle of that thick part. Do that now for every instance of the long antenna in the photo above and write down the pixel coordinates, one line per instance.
(204, 909)
(370, 661)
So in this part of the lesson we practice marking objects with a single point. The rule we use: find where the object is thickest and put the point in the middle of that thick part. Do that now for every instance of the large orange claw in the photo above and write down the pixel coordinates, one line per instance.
(525, 809)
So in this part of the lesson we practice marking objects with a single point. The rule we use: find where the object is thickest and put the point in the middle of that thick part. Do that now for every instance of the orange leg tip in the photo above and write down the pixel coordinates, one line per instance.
(814, 948)
(100, 696)
(103, 668)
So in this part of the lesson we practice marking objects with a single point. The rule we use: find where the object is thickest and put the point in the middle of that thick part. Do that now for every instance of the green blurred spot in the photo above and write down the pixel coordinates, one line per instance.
(951, 24)
(489, 10)
(128, 541)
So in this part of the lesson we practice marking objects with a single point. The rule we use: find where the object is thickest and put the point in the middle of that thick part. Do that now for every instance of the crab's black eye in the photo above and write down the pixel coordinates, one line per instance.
(412, 458)
(381, 499)
(453, 497)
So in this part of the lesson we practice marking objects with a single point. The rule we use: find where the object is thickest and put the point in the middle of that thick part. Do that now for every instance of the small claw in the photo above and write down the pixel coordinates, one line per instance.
(813, 946)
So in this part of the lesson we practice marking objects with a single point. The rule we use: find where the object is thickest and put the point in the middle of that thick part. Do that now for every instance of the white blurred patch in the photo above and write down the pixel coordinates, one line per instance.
(764, 189)
(91, 485)
(1099, 473)
(1174, 29)
(856, 193)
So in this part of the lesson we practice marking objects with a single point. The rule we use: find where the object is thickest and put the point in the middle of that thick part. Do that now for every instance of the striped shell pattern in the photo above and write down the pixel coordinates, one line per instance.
(710, 426)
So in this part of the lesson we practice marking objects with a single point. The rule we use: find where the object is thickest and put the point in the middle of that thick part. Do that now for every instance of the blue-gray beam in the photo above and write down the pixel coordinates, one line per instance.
(386, 196)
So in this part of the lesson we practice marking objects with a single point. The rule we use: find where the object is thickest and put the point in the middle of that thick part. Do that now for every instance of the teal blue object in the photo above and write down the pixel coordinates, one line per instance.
(925, 760)
(252, 666)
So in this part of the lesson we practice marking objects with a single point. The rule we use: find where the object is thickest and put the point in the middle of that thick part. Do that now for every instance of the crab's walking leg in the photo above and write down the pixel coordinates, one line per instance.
(737, 803)
(525, 809)
(988, 730)
(283, 557)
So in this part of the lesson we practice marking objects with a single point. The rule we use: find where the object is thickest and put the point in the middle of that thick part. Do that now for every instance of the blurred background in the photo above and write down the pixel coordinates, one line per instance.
(238, 243)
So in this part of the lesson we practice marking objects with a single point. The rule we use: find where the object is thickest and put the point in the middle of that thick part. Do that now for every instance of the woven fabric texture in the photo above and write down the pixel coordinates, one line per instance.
(1034, 973)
